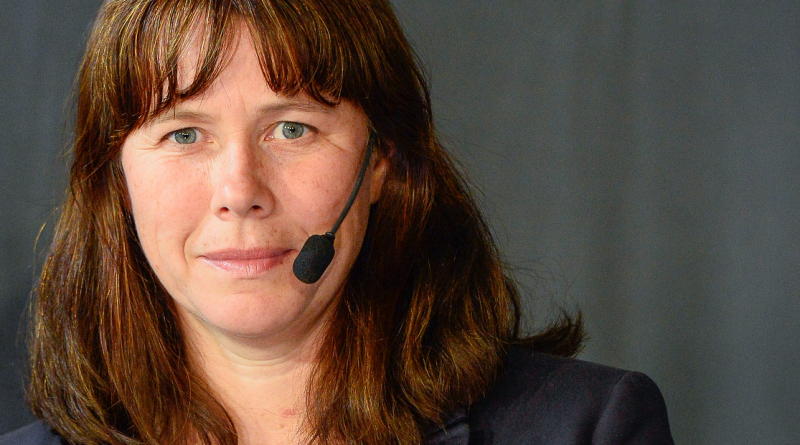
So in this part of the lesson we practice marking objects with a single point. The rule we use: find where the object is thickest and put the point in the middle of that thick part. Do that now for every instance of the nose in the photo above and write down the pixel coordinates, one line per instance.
(241, 187)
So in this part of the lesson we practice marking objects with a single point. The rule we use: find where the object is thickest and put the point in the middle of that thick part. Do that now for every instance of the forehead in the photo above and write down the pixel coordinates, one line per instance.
(237, 47)
(328, 52)
(205, 64)
(241, 75)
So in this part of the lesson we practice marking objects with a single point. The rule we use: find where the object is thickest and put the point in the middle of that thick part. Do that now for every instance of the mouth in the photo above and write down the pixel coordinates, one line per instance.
(246, 262)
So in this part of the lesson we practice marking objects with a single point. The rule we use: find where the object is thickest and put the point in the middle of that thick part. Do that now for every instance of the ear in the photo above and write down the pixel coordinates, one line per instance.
(380, 170)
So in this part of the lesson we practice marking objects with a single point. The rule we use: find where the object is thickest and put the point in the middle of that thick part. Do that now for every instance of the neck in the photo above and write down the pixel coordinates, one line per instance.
(262, 384)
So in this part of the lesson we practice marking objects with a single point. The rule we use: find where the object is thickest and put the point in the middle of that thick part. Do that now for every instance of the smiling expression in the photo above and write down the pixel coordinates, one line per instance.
(227, 186)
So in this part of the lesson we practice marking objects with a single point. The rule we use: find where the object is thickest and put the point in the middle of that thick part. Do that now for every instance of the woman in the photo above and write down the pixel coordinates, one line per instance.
(214, 140)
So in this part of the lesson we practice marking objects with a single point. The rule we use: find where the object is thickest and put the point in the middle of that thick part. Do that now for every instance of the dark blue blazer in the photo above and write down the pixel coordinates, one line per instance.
(538, 399)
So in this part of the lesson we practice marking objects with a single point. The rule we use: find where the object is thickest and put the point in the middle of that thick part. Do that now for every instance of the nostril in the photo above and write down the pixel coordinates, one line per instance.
(240, 200)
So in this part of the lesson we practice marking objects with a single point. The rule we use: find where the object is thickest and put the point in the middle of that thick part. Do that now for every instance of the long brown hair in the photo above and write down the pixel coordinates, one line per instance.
(427, 311)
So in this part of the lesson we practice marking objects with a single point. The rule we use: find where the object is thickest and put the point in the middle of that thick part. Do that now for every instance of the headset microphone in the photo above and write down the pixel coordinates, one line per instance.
(317, 252)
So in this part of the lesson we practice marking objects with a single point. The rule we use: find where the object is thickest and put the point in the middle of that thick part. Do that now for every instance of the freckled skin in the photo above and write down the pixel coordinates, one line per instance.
(242, 185)
(223, 200)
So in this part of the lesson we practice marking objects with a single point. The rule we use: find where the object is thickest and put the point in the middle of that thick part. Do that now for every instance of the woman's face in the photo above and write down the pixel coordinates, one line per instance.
(226, 187)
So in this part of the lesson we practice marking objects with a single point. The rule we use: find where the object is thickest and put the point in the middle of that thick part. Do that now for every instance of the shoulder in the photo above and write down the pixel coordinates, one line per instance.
(544, 399)
(34, 434)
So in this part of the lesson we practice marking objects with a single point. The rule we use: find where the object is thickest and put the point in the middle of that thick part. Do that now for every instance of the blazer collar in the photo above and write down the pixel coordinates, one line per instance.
(454, 432)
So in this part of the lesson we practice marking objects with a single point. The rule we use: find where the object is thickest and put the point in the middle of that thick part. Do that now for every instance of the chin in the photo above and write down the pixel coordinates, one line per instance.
(264, 315)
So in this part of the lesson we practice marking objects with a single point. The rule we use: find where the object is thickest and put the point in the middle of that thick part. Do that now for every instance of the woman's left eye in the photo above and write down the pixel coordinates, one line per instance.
(290, 130)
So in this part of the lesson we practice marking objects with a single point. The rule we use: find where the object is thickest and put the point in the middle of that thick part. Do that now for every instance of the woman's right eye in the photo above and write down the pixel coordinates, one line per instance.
(183, 136)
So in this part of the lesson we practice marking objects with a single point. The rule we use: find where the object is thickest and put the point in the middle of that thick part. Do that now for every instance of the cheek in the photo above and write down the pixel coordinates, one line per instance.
(315, 193)
(166, 205)
(322, 198)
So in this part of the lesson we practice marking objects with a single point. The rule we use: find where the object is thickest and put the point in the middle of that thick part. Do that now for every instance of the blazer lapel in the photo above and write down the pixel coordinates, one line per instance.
(455, 431)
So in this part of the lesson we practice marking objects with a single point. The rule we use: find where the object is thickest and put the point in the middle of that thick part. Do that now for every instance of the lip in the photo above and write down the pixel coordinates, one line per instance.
(245, 262)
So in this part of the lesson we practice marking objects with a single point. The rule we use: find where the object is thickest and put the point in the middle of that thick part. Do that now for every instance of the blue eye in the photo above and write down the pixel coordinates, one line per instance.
(291, 130)
(184, 136)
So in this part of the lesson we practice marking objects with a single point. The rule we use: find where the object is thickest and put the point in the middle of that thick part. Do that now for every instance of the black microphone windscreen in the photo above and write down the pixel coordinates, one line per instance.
(314, 258)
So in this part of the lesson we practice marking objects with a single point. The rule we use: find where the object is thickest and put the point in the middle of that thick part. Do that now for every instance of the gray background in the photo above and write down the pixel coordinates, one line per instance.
(637, 159)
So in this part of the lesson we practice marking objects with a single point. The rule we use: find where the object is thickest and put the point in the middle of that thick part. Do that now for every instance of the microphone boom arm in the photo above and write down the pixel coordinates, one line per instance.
(317, 252)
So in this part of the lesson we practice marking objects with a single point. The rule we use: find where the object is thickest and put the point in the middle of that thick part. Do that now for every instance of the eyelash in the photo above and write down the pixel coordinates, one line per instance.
(171, 136)
(305, 129)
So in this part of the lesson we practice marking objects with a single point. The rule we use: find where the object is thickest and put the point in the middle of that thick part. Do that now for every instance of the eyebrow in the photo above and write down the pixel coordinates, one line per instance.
(289, 105)
(309, 106)
(174, 114)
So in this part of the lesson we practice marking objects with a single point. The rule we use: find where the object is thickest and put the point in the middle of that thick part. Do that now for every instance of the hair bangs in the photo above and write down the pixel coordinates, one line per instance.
(311, 47)
(167, 51)
(164, 67)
